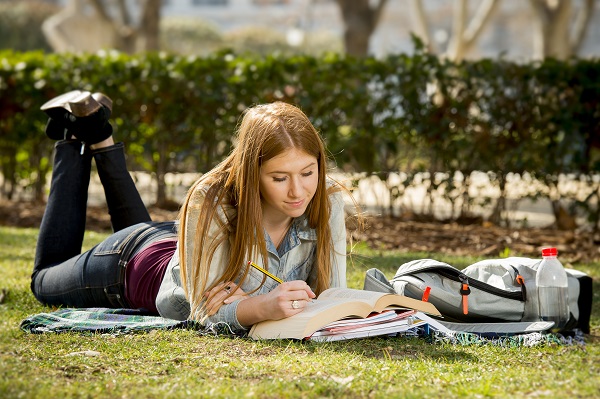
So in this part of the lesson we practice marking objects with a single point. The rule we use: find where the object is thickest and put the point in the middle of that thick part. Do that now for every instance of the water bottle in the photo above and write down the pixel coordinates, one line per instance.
(552, 288)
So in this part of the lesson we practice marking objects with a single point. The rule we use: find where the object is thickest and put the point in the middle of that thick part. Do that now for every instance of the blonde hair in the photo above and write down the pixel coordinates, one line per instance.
(264, 132)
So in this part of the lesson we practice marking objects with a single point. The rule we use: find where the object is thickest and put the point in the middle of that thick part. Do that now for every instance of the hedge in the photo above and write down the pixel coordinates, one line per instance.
(403, 119)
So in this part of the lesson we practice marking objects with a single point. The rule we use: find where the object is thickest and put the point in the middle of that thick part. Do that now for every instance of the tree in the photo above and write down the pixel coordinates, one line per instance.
(90, 25)
(463, 35)
(16, 21)
(557, 33)
(144, 36)
(360, 20)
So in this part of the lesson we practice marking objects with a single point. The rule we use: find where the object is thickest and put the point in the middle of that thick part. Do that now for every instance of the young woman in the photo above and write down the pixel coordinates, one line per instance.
(269, 202)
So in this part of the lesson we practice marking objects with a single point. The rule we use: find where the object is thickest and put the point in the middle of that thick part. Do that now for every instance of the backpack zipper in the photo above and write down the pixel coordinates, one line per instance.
(464, 291)
(520, 281)
(458, 276)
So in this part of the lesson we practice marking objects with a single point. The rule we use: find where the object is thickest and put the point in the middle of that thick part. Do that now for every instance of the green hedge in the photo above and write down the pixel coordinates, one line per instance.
(424, 118)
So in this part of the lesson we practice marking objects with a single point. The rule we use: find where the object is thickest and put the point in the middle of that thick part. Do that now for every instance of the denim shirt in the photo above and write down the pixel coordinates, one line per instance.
(295, 260)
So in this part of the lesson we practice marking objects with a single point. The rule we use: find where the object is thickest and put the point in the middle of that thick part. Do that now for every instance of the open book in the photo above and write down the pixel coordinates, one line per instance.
(336, 304)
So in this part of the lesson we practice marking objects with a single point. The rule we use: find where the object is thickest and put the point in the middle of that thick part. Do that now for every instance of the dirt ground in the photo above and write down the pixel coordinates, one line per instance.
(476, 239)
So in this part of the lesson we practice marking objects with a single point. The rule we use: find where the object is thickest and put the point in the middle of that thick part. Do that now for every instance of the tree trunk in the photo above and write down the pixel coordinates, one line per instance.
(39, 185)
(552, 35)
(556, 31)
(459, 21)
(500, 206)
(419, 17)
(360, 21)
(564, 220)
(464, 36)
(9, 167)
(129, 37)
(149, 28)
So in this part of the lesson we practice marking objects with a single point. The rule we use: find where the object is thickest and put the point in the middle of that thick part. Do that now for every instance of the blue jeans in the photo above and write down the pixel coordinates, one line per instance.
(62, 275)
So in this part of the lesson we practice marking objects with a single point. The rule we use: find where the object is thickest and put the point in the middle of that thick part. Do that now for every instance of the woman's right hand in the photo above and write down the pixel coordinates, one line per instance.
(287, 299)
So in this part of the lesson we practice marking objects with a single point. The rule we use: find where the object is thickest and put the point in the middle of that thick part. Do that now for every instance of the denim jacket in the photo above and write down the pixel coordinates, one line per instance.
(295, 260)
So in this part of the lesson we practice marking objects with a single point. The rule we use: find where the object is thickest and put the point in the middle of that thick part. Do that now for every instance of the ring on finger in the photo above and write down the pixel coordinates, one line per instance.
(295, 305)
(227, 289)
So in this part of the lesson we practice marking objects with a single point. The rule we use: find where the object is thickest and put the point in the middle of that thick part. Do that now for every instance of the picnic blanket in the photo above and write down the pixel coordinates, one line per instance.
(127, 321)
(100, 320)
(513, 340)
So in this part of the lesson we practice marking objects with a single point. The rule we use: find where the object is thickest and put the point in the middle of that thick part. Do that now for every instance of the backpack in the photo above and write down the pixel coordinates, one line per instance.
(494, 290)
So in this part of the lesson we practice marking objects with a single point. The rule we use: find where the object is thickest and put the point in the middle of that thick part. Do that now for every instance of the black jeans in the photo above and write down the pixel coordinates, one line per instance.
(62, 275)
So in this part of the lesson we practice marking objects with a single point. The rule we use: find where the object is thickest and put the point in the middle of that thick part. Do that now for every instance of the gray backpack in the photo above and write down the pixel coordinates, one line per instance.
(495, 290)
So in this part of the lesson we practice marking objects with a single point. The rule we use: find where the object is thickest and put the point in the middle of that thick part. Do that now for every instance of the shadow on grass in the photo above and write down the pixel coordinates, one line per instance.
(390, 348)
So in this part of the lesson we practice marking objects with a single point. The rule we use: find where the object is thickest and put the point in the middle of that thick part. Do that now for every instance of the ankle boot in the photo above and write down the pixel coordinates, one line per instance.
(79, 114)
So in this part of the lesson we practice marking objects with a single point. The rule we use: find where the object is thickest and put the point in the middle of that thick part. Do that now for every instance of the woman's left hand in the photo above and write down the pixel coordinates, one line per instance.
(222, 294)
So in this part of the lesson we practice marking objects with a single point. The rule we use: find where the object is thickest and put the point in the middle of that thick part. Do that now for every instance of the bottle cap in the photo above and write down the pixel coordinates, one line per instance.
(549, 251)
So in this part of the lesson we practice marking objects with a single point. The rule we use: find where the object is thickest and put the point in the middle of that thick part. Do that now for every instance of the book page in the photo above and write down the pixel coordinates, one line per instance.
(370, 297)
(315, 307)
(349, 321)
(384, 329)
(379, 300)
(374, 319)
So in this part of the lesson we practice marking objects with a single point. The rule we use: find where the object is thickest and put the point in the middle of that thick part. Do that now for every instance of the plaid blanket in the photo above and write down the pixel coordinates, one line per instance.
(125, 321)
(100, 320)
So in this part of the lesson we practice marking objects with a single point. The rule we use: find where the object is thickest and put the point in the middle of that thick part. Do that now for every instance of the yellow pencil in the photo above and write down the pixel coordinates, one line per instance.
(266, 273)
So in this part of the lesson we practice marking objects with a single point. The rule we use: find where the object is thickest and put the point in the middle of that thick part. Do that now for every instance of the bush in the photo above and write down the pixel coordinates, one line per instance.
(405, 119)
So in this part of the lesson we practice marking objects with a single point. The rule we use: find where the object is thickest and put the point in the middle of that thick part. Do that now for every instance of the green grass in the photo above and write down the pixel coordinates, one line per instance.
(184, 364)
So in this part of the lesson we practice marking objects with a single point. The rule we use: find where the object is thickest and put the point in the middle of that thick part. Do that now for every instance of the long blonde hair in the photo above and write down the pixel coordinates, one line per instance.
(264, 132)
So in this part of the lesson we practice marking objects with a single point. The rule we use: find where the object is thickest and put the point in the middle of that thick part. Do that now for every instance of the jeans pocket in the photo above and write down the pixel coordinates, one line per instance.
(118, 241)
(115, 296)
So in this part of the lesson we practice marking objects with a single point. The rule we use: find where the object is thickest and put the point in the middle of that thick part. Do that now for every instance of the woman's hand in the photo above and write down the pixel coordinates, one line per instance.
(286, 300)
(289, 298)
(220, 295)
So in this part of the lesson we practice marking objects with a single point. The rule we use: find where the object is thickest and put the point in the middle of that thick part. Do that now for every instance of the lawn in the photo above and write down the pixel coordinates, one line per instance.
(183, 363)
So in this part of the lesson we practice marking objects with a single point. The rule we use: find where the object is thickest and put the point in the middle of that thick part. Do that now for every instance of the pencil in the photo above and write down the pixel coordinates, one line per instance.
(266, 273)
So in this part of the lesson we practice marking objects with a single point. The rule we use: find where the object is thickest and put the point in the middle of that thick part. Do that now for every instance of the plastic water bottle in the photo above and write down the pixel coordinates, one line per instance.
(552, 287)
